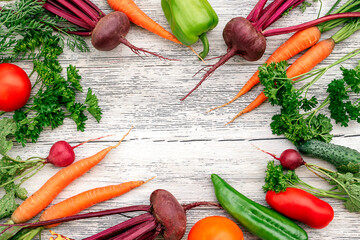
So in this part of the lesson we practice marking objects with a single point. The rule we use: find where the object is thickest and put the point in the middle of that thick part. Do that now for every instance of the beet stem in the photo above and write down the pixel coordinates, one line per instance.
(137, 231)
(222, 60)
(91, 4)
(270, 12)
(279, 31)
(137, 208)
(87, 10)
(255, 13)
(75, 20)
(279, 13)
(117, 229)
(197, 204)
(78, 13)
(153, 234)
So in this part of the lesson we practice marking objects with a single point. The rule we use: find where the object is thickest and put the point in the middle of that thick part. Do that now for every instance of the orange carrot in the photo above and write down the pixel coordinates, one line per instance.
(52, 187)
(302, 65)
(140, 18)
(295, 44)
(79, 202)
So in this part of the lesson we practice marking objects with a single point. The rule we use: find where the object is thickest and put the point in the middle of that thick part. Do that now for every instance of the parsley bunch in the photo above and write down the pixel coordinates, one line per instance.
(299, 118)
(28, 31)
(346, 186)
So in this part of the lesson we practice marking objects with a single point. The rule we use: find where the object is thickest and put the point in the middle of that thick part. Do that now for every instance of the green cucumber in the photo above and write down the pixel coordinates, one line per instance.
(343, 158)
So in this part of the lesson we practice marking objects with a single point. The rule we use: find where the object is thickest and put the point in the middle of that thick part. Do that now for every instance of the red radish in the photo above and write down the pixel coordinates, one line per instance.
(246, 36)
(61, 154)
(106, 31)
(290, 159)
(165, 216)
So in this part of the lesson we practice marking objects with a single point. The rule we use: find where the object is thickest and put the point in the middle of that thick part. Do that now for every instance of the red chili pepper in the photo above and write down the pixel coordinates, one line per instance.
(302, 206)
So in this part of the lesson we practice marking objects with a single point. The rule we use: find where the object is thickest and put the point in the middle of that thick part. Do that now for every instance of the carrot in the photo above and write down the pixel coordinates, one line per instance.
(140, 18)
(81, 201)
(298, 42)
(52, 187)
(302, 65)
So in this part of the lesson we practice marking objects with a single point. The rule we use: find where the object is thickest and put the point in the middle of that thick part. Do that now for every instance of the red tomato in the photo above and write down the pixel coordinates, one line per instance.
(215, 228)
(302, 206)
(15, 87)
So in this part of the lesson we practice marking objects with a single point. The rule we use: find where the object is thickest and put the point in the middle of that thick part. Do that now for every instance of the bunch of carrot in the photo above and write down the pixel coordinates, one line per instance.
(47, 193)
(300, 41)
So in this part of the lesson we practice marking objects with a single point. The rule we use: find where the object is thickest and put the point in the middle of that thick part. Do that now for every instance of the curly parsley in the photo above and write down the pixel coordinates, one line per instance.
(299, 118)
(28, 31)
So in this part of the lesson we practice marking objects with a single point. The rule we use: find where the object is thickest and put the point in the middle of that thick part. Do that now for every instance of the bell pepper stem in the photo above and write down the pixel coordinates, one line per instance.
(205, 43)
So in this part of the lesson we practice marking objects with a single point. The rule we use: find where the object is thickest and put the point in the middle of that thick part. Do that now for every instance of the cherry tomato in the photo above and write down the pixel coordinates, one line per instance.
(15, 87)
(215, 228)
(302, 206)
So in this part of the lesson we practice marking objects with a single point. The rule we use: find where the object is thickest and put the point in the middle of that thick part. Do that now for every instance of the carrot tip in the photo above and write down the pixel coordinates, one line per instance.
(150, 179)
(123, 138)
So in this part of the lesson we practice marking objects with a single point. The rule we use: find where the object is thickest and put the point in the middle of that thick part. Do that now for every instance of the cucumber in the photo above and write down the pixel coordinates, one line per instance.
(343, 158)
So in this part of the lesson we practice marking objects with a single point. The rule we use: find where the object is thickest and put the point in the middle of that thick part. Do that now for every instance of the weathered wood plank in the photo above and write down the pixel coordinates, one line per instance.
(178, 142)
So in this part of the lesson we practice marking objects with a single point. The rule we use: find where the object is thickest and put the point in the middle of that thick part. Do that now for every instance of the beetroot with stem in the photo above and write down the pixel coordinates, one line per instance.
(246, 36)
(165, 216)
(106, 31)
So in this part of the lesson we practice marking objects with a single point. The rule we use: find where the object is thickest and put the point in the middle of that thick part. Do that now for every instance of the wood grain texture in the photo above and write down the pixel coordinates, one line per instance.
(178, 141)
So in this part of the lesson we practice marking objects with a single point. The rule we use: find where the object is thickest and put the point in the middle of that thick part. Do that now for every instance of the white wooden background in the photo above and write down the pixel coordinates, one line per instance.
(178, 142)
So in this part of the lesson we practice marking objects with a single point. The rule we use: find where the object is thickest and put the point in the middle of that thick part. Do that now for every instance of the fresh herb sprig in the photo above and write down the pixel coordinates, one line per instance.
(28, 31)
(346, 186)
(299, 118)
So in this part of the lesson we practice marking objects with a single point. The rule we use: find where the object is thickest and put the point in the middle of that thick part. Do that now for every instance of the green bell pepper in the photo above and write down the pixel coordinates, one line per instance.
(258, 219)
(190, 20)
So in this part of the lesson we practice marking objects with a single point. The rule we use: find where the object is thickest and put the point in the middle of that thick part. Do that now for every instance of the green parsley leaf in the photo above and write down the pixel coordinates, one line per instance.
(93, 105)
(7, 127)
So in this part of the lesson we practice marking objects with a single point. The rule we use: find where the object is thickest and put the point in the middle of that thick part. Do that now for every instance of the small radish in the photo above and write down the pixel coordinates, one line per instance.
(290, 159)
(61, 154)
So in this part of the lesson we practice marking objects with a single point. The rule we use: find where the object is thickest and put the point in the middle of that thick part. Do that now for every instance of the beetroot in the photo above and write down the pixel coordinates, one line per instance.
(239, 34)
(163, 216)
(246, 36)
(106, 31)
(169, 213)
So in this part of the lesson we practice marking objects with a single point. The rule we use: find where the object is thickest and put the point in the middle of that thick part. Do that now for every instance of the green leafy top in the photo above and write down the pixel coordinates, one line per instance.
(299, 118)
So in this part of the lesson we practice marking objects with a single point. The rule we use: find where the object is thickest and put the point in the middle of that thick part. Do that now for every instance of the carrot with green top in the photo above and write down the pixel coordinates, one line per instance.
(297, 43)
(46, 194)
(309, 60)
(138, 17)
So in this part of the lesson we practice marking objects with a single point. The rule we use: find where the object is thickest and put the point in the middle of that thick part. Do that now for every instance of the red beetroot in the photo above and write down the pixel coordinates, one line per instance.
(163, 216)
(106, 31)
(246, 36)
